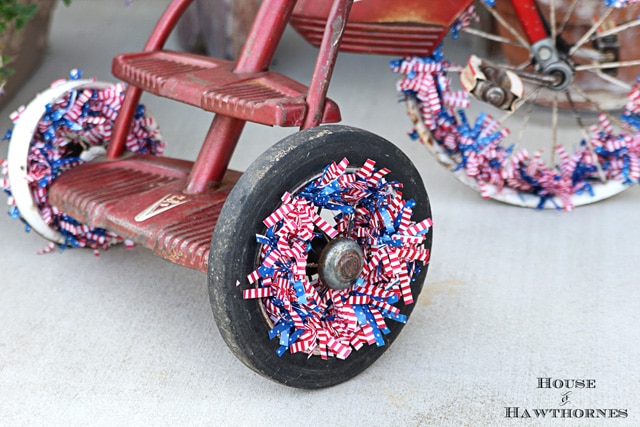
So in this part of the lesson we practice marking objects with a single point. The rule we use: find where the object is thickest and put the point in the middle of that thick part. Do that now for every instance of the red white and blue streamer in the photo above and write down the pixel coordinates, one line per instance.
(72, 130)
(619, 3)
(306, 315)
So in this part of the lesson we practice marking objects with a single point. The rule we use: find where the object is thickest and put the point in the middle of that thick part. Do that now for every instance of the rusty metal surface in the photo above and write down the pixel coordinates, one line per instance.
(383, 11)
(408, 27)
(263, 97)
(325, 62)
(141, 199)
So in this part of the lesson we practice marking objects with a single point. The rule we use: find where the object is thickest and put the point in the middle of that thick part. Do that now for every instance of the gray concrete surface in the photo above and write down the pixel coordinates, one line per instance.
(512, 295)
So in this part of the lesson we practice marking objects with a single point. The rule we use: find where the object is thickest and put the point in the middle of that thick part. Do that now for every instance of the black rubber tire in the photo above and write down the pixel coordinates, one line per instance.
(234, 252)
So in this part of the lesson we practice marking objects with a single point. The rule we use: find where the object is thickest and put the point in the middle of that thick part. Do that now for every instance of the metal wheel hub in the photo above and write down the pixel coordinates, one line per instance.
(340, 263)
(550, 63)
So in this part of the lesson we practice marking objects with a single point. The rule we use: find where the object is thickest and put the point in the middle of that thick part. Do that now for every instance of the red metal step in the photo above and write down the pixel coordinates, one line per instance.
(397, 39)
(266, 97)
(141, 198)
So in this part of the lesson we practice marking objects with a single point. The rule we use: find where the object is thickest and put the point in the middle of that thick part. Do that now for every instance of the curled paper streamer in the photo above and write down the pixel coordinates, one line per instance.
(306, 315)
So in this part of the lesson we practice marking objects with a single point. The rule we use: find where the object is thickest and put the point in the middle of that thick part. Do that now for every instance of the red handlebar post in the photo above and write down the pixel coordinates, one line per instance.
(157, 39)
(529, 18)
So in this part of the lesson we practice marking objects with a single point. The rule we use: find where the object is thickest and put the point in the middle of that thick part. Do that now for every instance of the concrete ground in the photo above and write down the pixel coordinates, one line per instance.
(512, 295)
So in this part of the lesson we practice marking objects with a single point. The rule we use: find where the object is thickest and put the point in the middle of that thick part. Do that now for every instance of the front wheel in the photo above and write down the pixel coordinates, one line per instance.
(315, 261)
(536, 125)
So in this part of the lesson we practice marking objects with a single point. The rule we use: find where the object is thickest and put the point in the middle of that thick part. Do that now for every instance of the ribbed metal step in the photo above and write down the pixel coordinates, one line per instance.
(141, 199)
(379, 38)
(267, 97)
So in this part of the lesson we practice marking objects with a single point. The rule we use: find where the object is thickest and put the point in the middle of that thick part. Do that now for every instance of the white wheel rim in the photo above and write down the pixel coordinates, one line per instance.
(19, 146)
(601, 191)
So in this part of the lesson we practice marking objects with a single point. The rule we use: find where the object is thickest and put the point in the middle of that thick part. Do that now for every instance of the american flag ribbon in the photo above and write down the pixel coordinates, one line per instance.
(77, 117)
(333, 322)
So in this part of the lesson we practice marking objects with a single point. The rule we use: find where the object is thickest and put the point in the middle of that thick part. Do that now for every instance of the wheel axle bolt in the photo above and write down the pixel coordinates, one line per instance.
(495, 96)
(340, 263)
(350, 265)
(544, 53)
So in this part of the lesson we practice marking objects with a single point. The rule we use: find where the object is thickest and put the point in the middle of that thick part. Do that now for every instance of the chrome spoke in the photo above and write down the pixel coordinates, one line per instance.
(525, 120)
(552, 19)
(534, 77)
(578, 117)
(600, 66)
(587, 98)
(506, 25)
(586, 36)
(520, 103)
(524, 65)
(527, 116)
(611, 79)
(585, 133)
(493, 37)
(593, 55)
(568, 16)
(617, 29)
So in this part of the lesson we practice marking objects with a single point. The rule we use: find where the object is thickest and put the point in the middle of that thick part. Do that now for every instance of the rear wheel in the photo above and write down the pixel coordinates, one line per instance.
(319, 255)
(64, 126)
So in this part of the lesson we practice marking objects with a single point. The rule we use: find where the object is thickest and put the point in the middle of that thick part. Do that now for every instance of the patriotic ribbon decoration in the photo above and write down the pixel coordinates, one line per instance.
(477, 147)
(619, 3)
(309, 317)
(71, 128)
(465, 18)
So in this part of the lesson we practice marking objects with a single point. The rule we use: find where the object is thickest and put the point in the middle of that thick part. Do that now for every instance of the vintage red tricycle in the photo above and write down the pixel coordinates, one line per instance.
(317, 251)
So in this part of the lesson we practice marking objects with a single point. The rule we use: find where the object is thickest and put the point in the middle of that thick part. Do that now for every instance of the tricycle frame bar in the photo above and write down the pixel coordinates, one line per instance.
(156, 41)
(257, 54)
(530, 20)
